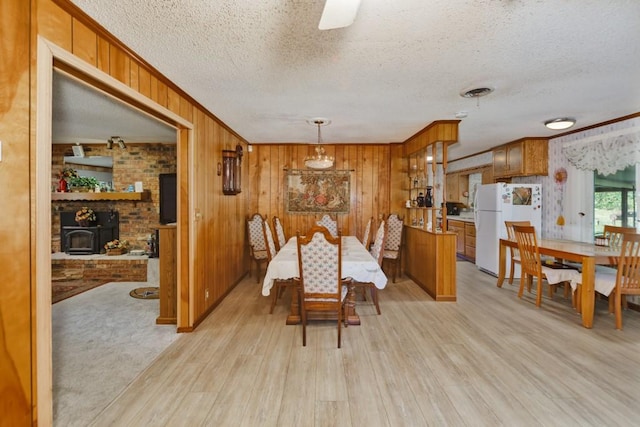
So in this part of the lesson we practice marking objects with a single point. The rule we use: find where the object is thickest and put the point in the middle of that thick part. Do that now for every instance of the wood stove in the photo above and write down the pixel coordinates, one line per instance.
(76, 240)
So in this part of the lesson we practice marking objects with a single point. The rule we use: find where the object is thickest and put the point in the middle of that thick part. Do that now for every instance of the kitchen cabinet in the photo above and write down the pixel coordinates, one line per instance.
(453, 186)
(525, 157)
(465, 238)
(457, 227)
(457, 187)
(487, 175)
(470, 241)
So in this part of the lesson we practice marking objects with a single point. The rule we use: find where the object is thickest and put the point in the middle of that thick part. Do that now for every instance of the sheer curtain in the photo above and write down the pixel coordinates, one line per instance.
(605, 153)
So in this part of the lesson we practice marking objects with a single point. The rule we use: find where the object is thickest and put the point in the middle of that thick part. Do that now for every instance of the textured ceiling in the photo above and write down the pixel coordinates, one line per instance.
(264, 68)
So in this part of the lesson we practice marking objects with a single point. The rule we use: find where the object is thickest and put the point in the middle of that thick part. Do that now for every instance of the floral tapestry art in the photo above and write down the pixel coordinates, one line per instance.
(317, 191)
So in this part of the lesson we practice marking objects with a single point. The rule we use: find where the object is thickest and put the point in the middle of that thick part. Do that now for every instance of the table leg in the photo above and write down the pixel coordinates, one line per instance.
(350, 314)
(294, 315)
(588, 293)
(502, 264)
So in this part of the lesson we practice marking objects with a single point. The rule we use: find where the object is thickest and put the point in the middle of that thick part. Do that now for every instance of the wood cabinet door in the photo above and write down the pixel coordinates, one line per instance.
(458, 228)
(452, 187)
(500, 161)
(514, 158)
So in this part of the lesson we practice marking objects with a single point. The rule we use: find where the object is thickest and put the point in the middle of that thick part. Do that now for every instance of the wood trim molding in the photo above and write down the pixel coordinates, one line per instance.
(49, 53)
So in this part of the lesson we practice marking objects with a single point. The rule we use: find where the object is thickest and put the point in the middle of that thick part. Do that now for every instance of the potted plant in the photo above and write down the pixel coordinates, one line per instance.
(85, 216)
(116, 247)
(83, 183)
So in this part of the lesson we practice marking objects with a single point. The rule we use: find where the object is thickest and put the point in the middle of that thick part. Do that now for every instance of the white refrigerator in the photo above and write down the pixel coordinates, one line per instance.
(496, 203)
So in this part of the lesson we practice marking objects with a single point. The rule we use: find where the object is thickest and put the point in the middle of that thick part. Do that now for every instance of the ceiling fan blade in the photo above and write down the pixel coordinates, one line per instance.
(338, 14)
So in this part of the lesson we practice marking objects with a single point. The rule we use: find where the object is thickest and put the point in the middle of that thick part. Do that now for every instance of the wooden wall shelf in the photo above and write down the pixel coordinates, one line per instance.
(136, 197)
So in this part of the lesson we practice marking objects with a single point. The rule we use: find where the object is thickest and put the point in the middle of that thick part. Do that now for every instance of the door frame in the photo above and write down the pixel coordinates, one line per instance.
(49, 53)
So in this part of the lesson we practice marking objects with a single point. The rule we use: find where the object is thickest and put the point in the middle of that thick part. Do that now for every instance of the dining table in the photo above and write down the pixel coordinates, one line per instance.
(357, 264)
(587, 254)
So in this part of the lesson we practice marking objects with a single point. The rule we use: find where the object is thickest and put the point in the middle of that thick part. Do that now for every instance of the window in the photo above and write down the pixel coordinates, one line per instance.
(615, 200)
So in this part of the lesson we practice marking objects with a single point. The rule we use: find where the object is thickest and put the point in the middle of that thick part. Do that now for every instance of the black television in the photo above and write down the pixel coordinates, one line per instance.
(168, 198)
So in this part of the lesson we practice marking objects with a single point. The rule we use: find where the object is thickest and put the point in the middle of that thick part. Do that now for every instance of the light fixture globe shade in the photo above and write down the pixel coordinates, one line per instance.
(320, 160)
(560, 123)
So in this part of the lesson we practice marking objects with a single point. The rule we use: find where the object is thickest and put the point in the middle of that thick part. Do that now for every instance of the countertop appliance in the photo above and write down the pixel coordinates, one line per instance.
(496, 203)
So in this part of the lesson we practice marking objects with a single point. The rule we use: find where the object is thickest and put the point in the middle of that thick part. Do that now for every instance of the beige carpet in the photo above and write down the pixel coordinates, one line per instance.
(102, 340)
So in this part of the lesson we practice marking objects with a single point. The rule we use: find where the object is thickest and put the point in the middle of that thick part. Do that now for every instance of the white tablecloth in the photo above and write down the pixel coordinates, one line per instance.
(356, 263)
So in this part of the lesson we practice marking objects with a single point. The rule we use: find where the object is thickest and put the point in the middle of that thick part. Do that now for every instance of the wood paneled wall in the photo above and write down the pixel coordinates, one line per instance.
(17, 382)
(370, 183)
(219, 258)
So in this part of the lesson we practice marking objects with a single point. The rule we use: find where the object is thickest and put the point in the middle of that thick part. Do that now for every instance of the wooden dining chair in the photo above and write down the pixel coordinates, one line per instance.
(531, 265)
(514, 254)
(279, 285)
(257, 244)
(625, 279)
(366, 237)
(628, 275)
(376, 253)
(281, 238)
(329, 223)
(320, 267)
(393, 244)
(614, 235)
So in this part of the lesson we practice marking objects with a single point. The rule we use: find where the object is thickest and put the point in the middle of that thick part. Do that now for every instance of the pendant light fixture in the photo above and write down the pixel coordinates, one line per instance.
(320, 160)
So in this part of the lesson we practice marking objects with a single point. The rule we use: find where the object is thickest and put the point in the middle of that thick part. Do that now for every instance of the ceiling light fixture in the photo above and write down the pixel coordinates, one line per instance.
(338, 14)
(117, 140)
(320, 160)
(560, 123)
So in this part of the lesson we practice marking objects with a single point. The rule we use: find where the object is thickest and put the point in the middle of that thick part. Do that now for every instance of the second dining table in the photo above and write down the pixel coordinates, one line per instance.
(357, 263)
(587, 254)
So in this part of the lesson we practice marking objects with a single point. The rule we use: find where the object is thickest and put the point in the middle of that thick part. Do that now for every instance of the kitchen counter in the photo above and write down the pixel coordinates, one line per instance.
(461, 218)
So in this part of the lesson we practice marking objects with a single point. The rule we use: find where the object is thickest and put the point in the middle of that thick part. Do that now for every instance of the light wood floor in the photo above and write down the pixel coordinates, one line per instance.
(489, 359)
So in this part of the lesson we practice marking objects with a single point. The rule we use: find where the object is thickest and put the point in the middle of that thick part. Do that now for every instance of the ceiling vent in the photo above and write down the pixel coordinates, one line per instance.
(477, 92)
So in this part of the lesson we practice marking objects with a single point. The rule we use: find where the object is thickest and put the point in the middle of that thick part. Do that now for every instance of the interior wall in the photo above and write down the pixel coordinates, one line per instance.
(369, 186)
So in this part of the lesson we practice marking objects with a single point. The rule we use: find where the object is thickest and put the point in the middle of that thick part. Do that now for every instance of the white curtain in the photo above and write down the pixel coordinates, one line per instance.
(606, 153)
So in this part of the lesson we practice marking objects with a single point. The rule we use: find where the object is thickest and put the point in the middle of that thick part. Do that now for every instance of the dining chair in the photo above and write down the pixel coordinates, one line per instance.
(393, 244)
(366, 237)
(257, 244)
(376, 252)
(330, 223)
(281, 238)
(628, 275)
(532, 266)
(613, 234)
(279, 285)
(514, 254)
(320, 267)
(625, 279)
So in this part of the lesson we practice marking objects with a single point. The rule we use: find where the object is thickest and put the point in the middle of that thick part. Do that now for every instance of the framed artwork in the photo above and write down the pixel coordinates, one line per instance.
(309, 191)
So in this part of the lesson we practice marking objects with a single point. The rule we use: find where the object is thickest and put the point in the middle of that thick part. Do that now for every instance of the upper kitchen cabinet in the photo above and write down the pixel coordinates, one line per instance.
(524, 157)
(457, 189)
